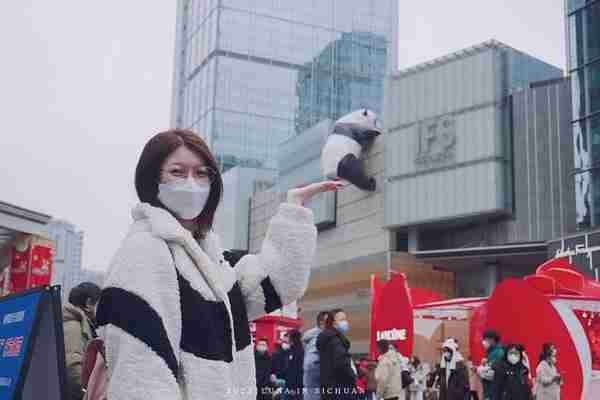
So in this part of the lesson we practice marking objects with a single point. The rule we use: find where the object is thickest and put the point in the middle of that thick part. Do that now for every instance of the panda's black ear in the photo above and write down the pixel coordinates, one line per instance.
(365, 113)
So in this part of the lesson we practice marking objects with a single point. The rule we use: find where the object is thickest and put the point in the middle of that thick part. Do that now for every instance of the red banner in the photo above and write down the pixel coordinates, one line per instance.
(273, 328)
(41, 266)
(392, 315)
(30, 265)
(19, 270)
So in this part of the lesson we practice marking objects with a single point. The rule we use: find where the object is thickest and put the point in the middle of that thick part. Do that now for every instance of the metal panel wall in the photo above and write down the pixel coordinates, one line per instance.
(543, 161)
(544, 193)
(448, 146)
(449, 87)
(444, 153)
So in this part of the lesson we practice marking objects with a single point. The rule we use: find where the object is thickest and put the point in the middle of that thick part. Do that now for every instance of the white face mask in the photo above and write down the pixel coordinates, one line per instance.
(261, 348)
(513, 359)
(285, 346)
(185, 197)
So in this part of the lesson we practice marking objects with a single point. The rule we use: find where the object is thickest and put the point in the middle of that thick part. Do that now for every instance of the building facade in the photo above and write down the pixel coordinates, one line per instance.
(352, 242)
(457, 207)
(249, 75)
(583, 46)
(478, 163)
(67, 262)
(347, 75)
(583, 62)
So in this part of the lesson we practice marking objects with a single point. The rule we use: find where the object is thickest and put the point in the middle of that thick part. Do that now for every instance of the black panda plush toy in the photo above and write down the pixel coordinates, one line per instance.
(351, 135)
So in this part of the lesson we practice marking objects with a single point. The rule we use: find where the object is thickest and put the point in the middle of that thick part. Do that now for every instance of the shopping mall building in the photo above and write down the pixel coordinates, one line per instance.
(583, 61)
(473, 177)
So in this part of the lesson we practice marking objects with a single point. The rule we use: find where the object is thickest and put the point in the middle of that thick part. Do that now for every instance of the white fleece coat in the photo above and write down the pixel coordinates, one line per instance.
(174, 313)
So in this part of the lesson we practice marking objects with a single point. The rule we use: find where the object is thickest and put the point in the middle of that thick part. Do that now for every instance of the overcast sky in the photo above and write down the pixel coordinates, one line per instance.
(84, 84)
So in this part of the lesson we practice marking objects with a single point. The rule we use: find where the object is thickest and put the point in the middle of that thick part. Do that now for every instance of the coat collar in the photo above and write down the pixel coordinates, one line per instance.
(74, 313)
(207, 256)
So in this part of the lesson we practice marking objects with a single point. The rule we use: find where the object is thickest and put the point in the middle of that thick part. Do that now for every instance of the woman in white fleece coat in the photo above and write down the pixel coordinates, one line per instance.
(174, 314)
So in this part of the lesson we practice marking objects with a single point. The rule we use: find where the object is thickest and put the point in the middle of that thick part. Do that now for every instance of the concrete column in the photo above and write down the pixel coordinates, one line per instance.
(491, 277)
(413, 240)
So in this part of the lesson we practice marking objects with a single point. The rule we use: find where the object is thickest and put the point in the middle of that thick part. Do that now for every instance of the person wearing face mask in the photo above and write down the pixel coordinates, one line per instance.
(263, 363)
(294, 371)
(338, 373)
(281, 359)
(451, 375)
(548, 380)
(511, 376)
(311, 359)
(78, 327)
(174, 314)
(494, 353)
(388, 373)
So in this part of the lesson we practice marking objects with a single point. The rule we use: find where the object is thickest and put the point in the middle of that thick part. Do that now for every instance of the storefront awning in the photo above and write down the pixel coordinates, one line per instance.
(15, 220)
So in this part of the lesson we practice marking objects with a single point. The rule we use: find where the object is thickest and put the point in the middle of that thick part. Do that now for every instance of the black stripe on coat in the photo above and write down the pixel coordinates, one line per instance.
(205, 327)
(241, 325)
(135, 316)
(272, 299)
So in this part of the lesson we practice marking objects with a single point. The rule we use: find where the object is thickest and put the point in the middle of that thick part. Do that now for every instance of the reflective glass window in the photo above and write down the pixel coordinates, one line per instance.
(581, 147)
(575, 40)
(574, 4)
(594, 125)
(578, 93)
(593, 31)
(583, 199)
(594, 87)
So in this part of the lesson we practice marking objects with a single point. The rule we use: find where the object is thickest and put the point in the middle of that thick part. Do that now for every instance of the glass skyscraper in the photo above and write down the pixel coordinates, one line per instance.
(250, 74)
(583, 43)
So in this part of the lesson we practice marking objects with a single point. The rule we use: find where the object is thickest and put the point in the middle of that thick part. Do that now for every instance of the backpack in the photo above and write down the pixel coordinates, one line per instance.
(94, 372)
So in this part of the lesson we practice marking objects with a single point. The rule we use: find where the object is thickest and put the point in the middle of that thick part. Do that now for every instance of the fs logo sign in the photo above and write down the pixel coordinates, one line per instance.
(392, 335)
(436, 142)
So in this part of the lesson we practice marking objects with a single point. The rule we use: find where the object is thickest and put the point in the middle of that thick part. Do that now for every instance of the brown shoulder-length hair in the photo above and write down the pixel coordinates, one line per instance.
(156, 151)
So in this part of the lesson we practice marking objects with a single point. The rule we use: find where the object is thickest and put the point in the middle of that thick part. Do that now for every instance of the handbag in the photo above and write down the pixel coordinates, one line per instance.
(94, 373)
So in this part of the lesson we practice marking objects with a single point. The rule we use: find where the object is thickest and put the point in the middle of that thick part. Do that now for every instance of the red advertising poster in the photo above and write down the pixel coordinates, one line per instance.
(590, 321)
(392, 318)
(273, 329)
(19, 270)
(41, 266)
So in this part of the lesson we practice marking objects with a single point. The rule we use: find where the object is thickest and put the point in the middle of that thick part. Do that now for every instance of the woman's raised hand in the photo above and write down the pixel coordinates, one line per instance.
(301, 195)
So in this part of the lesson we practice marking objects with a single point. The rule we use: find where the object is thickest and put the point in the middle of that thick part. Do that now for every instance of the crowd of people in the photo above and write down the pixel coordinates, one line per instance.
(318, 365)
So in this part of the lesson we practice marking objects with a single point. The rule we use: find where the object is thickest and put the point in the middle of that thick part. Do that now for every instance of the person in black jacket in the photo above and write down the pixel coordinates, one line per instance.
(281, 358)
(295, 370)
(451, 375)
(263, 370)
(338, 374)
(511, 375)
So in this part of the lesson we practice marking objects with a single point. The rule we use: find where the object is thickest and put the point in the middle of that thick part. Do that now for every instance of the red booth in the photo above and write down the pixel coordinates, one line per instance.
(273, 328)
(556, 305)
